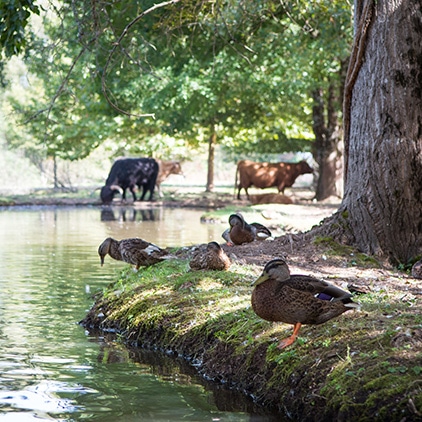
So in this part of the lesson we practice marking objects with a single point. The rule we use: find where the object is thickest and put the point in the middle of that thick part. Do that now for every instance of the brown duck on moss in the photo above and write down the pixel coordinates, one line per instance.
(296, 299)
(211, 257)
(241, 232)
(135, 251)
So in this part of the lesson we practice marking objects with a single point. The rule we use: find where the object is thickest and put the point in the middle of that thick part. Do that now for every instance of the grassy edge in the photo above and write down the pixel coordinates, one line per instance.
(353, 367)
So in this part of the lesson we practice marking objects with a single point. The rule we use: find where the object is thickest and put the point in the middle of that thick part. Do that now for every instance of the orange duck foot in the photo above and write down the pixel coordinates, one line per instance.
(290, 340)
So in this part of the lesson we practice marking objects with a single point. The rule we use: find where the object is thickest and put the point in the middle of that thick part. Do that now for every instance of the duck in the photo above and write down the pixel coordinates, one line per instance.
(296, 299)
(241, 232)
(212, 257)
(417, 269)
(135, 251)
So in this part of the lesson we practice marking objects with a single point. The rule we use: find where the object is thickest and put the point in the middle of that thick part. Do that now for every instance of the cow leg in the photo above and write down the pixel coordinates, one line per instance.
(238, 192)
(132, 189)
(142, 191)
(247, 193)
(158, 188)
(151, 193)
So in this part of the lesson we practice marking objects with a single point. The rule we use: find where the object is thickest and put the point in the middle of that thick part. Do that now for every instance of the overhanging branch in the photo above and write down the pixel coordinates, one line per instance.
(117, 44)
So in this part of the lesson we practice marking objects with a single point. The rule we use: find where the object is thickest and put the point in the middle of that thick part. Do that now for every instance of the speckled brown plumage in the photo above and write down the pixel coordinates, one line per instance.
(134, 251)
(296, 299)
(210, 257)
(241, 232)
(417, 269)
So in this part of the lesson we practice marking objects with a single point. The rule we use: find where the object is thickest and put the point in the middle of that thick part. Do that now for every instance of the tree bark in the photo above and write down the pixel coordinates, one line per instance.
(327, 152)
(211, 154)
(381, 212)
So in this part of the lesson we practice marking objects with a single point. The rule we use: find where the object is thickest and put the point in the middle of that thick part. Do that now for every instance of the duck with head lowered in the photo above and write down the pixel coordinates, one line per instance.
(296, 299)
(135, 251)
(241, 232)
(210, 257)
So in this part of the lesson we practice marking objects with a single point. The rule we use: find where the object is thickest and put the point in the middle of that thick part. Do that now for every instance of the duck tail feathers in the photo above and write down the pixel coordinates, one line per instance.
(168, 257)
(353, 305)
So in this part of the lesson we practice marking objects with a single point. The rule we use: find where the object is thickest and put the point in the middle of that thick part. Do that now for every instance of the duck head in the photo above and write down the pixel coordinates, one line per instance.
(276, 269)
(104, 249)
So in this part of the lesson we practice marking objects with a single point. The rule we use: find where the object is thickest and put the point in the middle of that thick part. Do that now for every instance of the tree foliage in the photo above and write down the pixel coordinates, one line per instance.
(14, 17)
(244, 68)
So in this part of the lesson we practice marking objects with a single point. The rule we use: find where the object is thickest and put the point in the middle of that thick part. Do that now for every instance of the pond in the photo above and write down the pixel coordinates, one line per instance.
(50, 367)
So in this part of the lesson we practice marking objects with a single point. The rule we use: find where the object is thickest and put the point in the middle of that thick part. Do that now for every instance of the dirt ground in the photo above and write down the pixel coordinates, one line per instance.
(291, 226)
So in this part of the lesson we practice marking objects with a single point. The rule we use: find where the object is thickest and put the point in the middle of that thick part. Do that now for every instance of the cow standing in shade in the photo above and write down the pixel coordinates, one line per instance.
(266, 175)
(129, 173)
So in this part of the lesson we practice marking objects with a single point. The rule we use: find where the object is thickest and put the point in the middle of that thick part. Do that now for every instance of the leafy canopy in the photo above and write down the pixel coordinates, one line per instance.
(243, 68)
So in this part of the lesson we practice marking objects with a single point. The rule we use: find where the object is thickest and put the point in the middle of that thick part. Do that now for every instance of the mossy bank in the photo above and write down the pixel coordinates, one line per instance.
(364, 366)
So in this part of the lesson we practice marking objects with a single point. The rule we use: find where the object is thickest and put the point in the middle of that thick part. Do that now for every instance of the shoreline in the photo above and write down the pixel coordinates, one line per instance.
(341, 370)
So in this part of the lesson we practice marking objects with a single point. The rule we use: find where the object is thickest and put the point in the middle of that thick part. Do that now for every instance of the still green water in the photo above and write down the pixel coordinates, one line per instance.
(51, 369)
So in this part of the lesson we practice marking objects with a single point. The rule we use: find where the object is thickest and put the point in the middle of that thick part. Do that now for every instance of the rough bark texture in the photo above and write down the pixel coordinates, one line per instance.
(382, 206)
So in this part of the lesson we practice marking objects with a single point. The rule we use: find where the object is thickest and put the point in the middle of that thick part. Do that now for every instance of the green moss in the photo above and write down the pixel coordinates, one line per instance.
(345, 214)
(350, 367)
(360, 387)
(354, 257)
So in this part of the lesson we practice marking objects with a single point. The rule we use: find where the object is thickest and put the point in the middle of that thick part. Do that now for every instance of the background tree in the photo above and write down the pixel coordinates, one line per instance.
(238, 73)
(14, 17)
(381, 211)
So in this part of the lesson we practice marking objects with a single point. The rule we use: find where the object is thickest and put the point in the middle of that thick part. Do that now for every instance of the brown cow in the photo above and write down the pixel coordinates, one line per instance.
(266, 175)
(165, 168)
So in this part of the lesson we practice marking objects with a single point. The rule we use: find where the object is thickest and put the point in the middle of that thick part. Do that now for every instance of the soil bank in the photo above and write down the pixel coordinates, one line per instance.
(361, 366)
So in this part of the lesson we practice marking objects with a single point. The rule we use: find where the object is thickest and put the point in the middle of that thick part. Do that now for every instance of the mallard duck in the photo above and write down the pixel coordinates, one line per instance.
(134, 251)
(241, 232)
(212, 258)
(296, 299)
(417, 269)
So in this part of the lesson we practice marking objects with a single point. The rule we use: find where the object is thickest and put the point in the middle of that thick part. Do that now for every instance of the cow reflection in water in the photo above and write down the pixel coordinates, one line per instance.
(129, 214)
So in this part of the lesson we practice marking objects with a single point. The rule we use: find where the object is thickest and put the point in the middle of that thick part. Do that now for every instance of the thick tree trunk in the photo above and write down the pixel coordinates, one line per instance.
(211, 154)
(381, 210)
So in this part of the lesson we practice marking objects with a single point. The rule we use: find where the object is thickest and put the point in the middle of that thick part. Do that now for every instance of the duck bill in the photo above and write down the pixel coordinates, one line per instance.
(263, 277)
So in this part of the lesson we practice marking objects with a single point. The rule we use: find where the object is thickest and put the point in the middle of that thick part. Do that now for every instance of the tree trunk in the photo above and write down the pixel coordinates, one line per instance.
(381, 212)
(211, 153)
(56, 183)
(327, 152)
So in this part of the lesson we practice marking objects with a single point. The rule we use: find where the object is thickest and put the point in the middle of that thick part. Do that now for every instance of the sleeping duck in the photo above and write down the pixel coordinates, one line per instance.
(241, 232)
(135, 251)
(296, 299)
(210, 257)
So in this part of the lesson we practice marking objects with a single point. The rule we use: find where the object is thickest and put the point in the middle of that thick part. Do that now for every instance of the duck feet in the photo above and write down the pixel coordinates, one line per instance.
(290, 340)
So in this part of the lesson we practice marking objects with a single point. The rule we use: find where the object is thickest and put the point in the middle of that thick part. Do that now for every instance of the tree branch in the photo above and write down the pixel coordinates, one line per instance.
(117, 44)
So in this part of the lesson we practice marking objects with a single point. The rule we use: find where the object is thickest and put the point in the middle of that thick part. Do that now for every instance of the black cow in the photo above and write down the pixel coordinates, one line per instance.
(128, 173)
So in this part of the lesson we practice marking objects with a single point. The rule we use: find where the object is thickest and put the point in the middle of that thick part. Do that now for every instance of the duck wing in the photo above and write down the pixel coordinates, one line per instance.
(139, 252)
(226, 236)
(260, 230)
(318, 288)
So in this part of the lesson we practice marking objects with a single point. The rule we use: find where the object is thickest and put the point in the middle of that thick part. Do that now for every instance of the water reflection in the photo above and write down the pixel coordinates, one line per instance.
(162, 226)
(50, 368)
(124, 214)
(182, 394)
